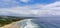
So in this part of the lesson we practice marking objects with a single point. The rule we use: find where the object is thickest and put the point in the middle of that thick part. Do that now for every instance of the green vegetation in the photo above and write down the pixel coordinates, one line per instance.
(4, 20)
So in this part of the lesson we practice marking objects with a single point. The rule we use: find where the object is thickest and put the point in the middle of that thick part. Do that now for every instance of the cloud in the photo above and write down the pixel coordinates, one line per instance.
(20, 11)
(35, 10)
(25, 1)
(8, 3)
(54, 8)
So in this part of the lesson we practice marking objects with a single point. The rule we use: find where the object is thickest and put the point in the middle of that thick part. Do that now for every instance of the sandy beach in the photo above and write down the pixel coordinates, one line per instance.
(12, 25)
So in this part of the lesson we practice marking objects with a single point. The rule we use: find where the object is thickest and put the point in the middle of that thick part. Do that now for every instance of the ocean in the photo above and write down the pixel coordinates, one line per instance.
(46, 22)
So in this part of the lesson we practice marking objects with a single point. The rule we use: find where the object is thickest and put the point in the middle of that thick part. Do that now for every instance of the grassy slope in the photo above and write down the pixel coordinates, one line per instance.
(4, 20)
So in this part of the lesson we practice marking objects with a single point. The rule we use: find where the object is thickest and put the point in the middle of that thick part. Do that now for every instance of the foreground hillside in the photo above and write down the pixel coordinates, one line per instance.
(4, 20)
(11, 25)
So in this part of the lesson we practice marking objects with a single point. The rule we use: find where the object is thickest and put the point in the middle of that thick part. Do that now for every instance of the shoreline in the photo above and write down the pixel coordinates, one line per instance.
(11, 25)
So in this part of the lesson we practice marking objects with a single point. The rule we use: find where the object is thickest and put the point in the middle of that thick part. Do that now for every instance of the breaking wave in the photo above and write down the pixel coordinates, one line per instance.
(27, 23)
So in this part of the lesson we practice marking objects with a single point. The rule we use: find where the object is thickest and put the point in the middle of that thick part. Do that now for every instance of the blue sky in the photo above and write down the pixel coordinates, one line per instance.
(13, 3)
(30, 7)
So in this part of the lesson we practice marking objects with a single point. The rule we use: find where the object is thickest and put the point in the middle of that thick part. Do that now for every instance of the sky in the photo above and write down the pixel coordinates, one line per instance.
(29, 8)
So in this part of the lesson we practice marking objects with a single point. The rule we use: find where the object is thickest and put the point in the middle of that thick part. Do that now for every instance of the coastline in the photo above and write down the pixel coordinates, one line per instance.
(12, 25)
